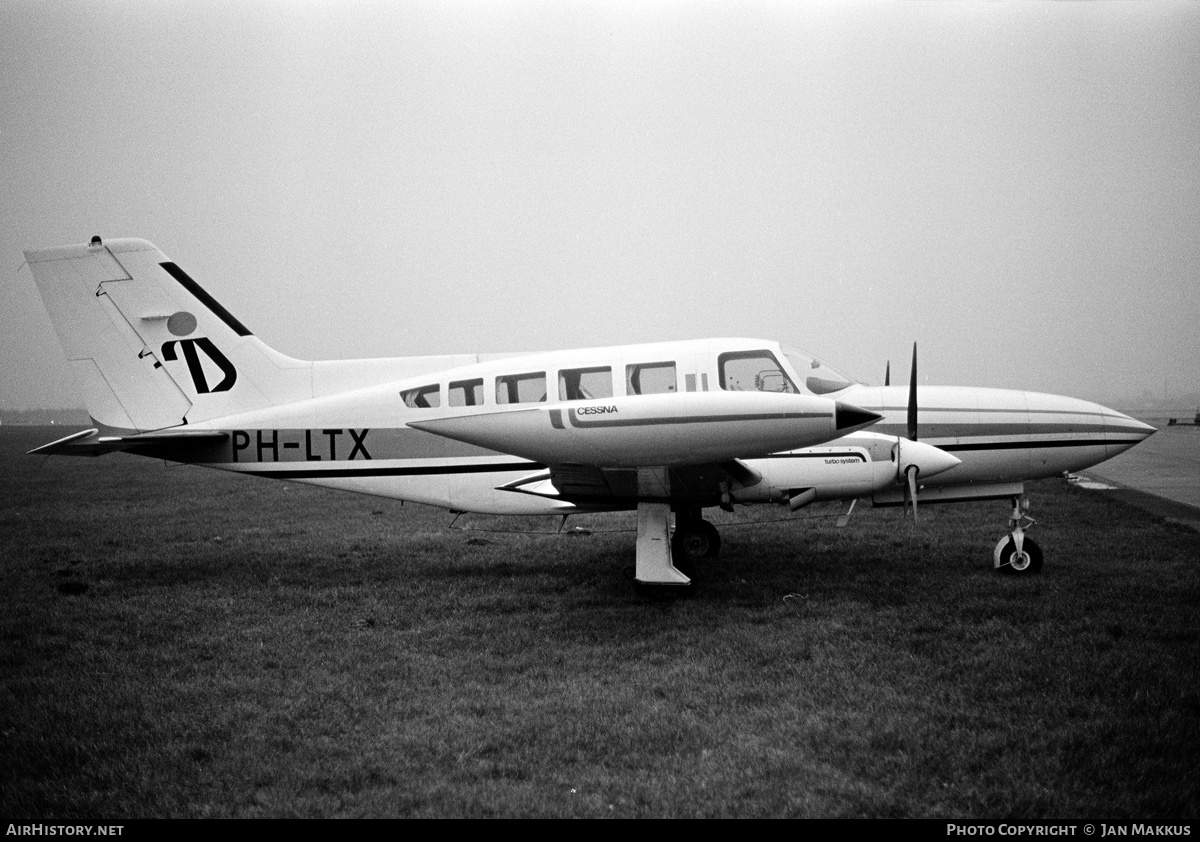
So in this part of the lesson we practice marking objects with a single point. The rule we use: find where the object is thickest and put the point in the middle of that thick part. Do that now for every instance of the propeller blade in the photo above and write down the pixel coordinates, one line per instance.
(887, 374)
(912, 398)
(911, 473)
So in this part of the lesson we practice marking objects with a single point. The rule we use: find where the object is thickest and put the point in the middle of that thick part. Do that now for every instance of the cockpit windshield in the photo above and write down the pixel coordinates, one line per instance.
(816, 377)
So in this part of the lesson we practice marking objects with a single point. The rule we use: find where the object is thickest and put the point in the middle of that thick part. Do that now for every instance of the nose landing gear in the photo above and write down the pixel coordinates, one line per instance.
(1016, 554)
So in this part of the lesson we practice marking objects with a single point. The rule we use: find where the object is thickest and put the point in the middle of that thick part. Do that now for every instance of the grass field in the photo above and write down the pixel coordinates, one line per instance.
(178, 642)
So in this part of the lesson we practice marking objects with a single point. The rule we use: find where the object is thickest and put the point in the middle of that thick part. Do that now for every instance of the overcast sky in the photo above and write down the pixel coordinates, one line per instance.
(1015, 186)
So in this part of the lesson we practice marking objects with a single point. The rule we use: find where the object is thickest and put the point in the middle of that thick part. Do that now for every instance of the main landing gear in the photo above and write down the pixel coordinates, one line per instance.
(695, 539)
(665, 562)
(1017, 554)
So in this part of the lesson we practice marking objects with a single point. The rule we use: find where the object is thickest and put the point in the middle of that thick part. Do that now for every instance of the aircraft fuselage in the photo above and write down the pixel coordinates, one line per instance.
(373, 440)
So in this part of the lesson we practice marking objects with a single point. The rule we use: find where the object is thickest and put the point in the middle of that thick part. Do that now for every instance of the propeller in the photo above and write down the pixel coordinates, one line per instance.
(887, 374)
(912, 398)
(910, 473)
(917, 456)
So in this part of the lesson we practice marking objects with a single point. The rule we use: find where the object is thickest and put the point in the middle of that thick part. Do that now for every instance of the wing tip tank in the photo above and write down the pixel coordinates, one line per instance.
(848, 416)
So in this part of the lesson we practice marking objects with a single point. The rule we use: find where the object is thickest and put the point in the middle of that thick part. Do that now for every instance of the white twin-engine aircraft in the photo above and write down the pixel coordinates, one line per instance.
(668, 429)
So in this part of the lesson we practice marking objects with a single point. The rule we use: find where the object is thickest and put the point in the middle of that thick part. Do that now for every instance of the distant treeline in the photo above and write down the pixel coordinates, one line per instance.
(45, 417)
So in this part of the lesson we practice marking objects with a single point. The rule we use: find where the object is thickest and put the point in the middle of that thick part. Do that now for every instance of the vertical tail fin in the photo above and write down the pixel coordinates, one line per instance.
(148, 347)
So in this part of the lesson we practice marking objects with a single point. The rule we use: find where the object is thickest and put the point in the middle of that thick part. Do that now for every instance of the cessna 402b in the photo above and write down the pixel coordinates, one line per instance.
(668, 429)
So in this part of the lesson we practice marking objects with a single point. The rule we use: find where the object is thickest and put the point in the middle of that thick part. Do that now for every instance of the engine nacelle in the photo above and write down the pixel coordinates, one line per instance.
(859, 465)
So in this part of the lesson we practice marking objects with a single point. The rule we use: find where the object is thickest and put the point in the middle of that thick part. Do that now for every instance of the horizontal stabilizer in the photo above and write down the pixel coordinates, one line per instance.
(65, 444)
(91, 443)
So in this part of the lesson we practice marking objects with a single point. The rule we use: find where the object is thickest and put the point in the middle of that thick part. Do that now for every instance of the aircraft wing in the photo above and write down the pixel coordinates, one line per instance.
(686, 448)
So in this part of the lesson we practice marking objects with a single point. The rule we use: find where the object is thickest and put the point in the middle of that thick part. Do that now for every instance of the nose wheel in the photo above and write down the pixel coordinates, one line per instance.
(1016, 554)
(1013, 562)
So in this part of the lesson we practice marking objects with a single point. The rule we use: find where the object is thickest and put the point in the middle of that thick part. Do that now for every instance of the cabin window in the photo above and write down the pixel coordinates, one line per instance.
(466, 392)
(423, 397)
(650, 378)
(753, 371)
(521, 388)
(585, 384)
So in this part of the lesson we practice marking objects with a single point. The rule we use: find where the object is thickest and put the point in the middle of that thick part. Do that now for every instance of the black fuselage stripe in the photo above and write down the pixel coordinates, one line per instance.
(1031, 445)
(432, 470)
(996, 411)
(687, 419)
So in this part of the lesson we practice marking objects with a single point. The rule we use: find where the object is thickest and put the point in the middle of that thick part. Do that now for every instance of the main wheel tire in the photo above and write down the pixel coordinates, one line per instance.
(695, 541)
(1010, 563)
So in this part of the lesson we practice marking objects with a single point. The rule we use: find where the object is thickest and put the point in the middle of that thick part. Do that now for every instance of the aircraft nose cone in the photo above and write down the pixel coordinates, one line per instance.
(1145, 430)
(1123, 432)
(1121, 424)
(848, 415)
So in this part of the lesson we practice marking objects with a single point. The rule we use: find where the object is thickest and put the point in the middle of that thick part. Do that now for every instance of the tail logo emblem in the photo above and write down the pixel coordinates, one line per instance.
(192, 348)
